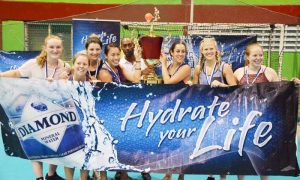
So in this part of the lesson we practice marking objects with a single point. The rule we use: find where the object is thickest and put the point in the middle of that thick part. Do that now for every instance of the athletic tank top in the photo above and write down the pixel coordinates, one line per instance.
(116, 76)
(216, 75)
(261, 78)
(181, 82)
(93, 73)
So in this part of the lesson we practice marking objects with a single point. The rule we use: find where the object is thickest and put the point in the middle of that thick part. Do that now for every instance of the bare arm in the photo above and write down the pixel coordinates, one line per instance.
(238, 74)
(183, 73)
(136, 76)
(133, 77)
(271, 75)
(228, 74)
(164, 69)
(196, 74)
(12, 73)
(104, 76)
(296, 81)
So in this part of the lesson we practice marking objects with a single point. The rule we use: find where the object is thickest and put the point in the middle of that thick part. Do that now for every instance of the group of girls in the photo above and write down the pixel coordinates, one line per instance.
(87, 66)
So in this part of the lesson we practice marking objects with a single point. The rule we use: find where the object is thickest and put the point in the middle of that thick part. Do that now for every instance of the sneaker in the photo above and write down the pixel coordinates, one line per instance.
(55, 176)
(146, 176)
(167, 176)
(122, 175)
(99, 175)
(181, 177)
(118, 175)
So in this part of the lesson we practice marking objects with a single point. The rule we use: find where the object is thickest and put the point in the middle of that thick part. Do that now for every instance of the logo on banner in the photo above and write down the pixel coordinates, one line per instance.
(45, 121)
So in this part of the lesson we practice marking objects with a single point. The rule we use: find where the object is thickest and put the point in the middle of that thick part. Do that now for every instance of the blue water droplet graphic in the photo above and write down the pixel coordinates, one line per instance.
(39, 106)
(111, 160)
(115, 141)
(105, 141)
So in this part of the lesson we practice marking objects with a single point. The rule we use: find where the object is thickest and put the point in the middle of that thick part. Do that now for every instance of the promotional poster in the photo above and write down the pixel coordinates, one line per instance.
(107, 31)
(232, 48)
(153, 128)
(14, 59)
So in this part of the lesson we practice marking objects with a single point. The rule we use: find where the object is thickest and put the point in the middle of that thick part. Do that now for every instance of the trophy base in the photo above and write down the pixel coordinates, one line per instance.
(152, 80)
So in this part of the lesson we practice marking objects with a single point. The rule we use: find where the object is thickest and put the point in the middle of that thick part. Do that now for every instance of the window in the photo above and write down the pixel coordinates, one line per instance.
(35, 33)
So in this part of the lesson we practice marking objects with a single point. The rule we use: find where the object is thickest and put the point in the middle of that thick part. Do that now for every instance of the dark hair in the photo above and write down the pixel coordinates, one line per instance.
(93, 38)
(175, 43)
(125, 38)
(109, 46)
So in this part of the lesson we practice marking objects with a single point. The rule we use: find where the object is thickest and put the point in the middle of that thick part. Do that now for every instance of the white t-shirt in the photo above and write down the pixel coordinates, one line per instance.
(31, 69)
(130, 66)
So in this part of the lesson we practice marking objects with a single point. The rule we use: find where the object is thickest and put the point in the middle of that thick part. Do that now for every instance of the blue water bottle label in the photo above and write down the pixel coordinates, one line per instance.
(52, 128)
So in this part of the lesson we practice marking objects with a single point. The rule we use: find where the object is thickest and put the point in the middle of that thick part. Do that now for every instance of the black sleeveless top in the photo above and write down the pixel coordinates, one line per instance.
(93, 73)
(181, 82)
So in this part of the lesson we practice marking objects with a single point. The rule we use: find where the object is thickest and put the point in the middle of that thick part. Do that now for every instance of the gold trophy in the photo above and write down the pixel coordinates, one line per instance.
(151, 49)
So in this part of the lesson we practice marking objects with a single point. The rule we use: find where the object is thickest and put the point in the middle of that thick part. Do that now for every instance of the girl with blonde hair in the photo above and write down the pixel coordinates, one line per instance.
(211, 70)
(47, 65)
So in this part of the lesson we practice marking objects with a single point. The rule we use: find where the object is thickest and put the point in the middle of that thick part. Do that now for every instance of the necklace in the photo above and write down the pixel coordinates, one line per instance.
(97, 68)
(116, 75)
(209, 78)
(175, 69)
(256, 76)
(46, 70)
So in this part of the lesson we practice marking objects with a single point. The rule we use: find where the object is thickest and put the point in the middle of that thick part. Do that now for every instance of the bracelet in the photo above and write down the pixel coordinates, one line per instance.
(138, 69)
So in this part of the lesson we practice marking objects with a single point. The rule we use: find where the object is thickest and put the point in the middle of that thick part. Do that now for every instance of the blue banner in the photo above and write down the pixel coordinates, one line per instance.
(232, 48)
(246, 129)
(107, 31)
(14, 59)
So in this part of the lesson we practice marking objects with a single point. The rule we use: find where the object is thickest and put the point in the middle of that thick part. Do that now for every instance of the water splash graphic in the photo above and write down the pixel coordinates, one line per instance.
(100, 152)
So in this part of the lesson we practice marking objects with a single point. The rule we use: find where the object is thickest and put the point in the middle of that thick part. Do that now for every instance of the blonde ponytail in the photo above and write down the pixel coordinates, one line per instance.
(41, 58)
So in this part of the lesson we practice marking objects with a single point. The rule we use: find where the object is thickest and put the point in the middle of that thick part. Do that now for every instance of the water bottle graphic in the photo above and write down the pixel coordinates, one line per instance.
(56, 122)
(50, 127)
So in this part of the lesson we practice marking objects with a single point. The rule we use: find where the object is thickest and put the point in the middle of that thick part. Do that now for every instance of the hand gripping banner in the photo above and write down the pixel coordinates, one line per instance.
(246, 129)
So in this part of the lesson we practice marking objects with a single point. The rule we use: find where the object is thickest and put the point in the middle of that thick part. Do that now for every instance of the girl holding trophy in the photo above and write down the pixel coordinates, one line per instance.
(177, 71)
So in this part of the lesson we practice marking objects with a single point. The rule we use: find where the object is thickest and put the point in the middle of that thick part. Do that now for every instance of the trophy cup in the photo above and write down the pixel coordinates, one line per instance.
(151, 49)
